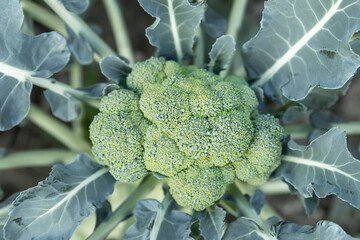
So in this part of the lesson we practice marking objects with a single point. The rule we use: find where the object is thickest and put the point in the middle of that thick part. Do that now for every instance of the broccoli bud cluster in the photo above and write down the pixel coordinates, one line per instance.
(188, 124)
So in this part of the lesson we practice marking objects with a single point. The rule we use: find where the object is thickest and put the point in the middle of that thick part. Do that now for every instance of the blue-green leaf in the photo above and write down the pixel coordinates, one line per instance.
(324, 167)
(80, 47)
(103, 213)
(94, 91)
(221, 53)
(323, 230)
(174, 30)
(245, 229)
(302, 45)
(54, 208)
(257, 201)
(63, 106)
(2, 223)
(159, 221)
(23, 57)
(114, 68)
(75, 6)
(213, 24)
(211, 222)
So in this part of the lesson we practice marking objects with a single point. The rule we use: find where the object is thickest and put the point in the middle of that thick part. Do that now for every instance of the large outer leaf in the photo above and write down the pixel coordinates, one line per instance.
(159, 221)
(324, 230)
(54, 208)
(22, 57)
(174, 30)
(245, 229)
(324, 167)
(211, 222)
(303, 44)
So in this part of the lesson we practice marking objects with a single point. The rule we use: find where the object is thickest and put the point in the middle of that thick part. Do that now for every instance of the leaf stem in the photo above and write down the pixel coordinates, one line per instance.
(43, 16)
(235, 20)
(301, 131)
(125, 209)
(200, 49)
(117, 22)
(76, 81)
(62, 88)
(36, 158)
(244, 206)
(58, 130)
(236, 17)
(80, 28)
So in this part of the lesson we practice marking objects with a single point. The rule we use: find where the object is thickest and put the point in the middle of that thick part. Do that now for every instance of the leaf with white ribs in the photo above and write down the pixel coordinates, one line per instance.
(174, 30)
(303, 44)
(22, 58)
(54, 208)
(324, 167)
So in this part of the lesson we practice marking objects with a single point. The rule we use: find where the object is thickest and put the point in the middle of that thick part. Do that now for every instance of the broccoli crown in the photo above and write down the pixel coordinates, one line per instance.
(187, 124)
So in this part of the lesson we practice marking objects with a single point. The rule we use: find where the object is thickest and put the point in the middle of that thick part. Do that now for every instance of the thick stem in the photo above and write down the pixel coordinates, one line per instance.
(200, 49)
(235, 20)
(62, 88)
(76, 81)
(117, 22)
(58, 130)
(36, 158)
(125, 209)
(301, 131)
(80, 28)
(244, 206)
(43, 16)
(237, 14)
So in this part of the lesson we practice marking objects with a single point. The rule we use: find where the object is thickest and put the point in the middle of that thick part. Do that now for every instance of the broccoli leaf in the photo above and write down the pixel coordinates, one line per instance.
(103, 213)
(60, 202)
(114, 68)
(211, 222)
(174, 30)
(303, 44)
(221, 53)
(80, 47)
(245, 229)
(310, 204)
(75, 6)
(94, 91)
(159, 221)
(63, 106)
(257, 201)
(2, 223)
(21, 58)
(323, 230)
(324, 167)
(213, 24)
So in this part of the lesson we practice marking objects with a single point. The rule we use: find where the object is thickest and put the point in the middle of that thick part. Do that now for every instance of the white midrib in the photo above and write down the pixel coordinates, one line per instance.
(73, 192)
(14, 72)
(174, 30)
(299, 45)
(159, 219)
(321, 165)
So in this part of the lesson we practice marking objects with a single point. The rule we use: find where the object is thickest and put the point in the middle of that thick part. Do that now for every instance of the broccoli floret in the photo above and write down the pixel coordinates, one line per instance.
(199, 187)
(263, 154)
(188, 124)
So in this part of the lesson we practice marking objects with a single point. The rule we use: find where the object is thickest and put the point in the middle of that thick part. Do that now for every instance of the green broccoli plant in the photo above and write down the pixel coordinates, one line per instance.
(188, 143)
(188, 124)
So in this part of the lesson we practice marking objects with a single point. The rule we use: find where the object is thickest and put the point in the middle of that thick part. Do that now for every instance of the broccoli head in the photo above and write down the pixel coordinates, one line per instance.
(188, 124)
